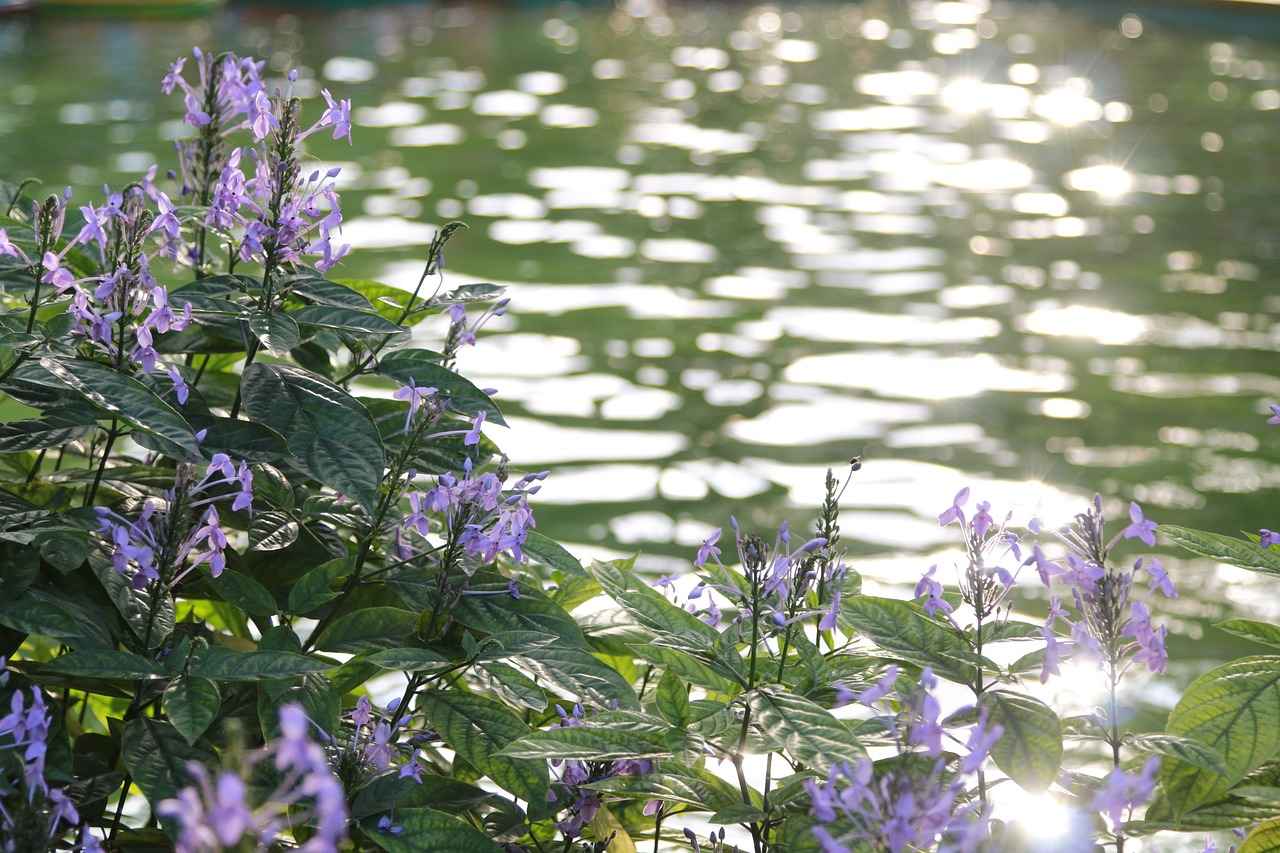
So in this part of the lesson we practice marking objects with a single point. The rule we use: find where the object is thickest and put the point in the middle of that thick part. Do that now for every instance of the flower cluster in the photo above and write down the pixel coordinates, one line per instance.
(216, 813)
(371, 748)
(474, 514)
(46, 815)
(779, 580)
(917, 801)
(582, 804)
(995, 559)
(172, 536)
(1113, 627)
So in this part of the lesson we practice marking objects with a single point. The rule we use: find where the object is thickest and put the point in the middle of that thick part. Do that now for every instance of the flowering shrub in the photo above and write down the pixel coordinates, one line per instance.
(267, 583)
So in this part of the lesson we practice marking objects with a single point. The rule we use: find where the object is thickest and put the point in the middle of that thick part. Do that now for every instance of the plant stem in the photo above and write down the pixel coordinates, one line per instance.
(102, 463)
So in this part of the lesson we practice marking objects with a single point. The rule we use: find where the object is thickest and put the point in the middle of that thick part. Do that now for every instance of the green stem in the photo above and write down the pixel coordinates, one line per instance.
(112, 434)
(17, 362)
(115, 823)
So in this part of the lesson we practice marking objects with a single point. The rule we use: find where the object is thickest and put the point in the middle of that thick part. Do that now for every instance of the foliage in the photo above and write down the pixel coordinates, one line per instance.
(238, 503)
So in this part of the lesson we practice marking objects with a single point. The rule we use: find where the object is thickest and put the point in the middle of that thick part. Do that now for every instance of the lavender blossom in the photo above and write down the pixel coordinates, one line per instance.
(173, 536)
(216, 813)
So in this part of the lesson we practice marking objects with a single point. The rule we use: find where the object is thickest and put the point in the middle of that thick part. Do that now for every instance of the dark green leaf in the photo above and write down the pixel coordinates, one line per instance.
(29, 616)
(585, 743)
(191, 704)
(1030, 750)
(218, 663)
(125, 398)
(344, 320)
(271, 531)
(1233, 709)
(675, 783)
(479, 292)
(369, 628)
(245, 592)
(462, 396)
(428, 831)
(323, 292)
(477, 729)
(156, 757)
(312, 589)
(737, 813)
(278, 333)
(807, 731)
(104, 664)
(329, 434)
(408, 660)
(553, 555)
(247, 440)
(55, 427)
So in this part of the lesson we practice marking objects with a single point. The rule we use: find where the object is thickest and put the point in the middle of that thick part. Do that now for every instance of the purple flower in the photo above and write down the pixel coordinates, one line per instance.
(982, 520)
(1140, 527)
(1275, 415)
(1122, 792)
(929, 587)
(954, 512)
(338, 115)
(708, 549)
(1159, 578)
(1266, 538)
(473, 435)
(881, 689)
(415, 396)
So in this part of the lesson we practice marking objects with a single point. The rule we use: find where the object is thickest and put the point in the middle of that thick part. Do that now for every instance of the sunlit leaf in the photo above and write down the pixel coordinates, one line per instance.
(1233, 709)
(1030, 750)
(477, 729)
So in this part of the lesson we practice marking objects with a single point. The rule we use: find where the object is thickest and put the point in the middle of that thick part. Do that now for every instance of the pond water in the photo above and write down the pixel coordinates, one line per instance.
(1025, 247)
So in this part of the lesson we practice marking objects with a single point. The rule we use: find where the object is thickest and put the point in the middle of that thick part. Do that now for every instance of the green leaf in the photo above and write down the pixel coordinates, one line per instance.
(532, 611)
(253, 442)
(54, 428)
(191, 703)
(903, 632)
(1233, 709)
(511, 685)
(104, 664)
(674, 784)
(344, 320)
(156, 757)
(551, 554)
(1225, 549)
(477, 729)
(737, 813)
(244, 592)
(687, 667)
(585, 743)
(807, 731)
(1264, 838)
(218, 663)
(408, 660)
(125, 398)
(1187, 749)
(429, 831)
(1030, 750)
(329, 434)
(580, 674)
(482, 291)
(672, 699)
(324, 292)
(43, 618)
(368, 628)
(1261, 632)
(461, 395)
(505, 644)
(278, 333)
(272, 531)
(312, 589)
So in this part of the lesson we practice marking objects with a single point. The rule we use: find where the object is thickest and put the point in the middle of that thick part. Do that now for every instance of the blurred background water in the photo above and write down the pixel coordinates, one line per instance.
(1026, 247)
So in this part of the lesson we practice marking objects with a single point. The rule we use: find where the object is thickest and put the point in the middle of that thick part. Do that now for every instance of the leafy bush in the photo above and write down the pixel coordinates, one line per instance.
(243, 508)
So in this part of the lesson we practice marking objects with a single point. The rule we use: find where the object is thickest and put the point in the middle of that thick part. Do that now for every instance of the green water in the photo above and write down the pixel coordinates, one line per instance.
(1011, 246)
